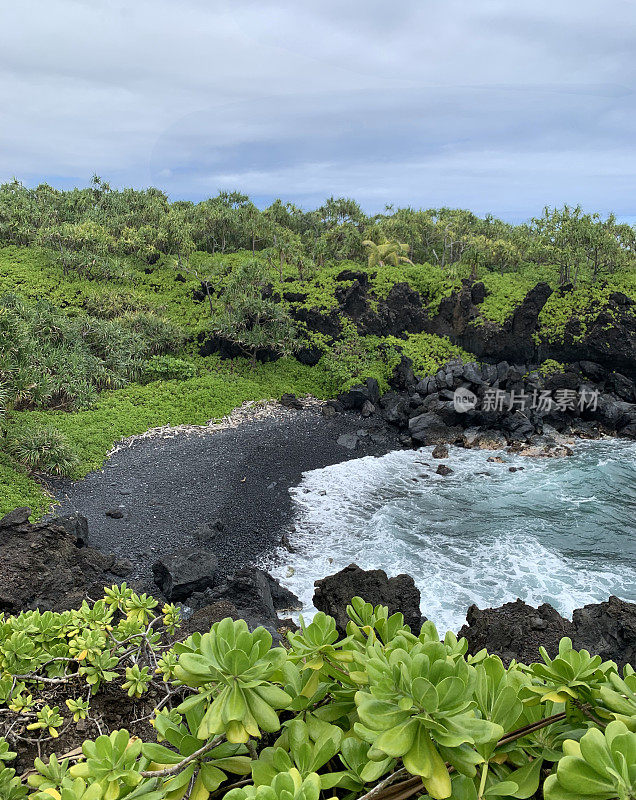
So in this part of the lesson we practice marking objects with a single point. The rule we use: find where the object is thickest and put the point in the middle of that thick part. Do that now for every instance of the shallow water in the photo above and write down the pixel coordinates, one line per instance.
(561, 531)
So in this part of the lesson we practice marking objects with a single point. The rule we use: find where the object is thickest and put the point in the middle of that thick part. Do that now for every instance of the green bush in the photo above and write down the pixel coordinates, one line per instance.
(582, 306)
(43, 449)
(504, 293)
(550, 367)
(51, 359)
(428, 351)
(248, 318)
(431, 281)
(166, 368)
(354, 358)
(18, 489)
(383, 711)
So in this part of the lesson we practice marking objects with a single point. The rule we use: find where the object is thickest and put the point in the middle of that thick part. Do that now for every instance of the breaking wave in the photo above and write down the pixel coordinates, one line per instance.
(561, 530)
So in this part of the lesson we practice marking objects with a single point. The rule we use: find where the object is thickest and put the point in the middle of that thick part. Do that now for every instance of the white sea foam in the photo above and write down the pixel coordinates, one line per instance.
(482, 535)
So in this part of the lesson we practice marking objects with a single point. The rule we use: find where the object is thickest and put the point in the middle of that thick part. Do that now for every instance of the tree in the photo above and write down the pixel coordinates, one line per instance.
(250, 320)
(572, 240)
(386, 253)
(500, 254)
(175, 235)
(607, 244)
(287, 249)
(341, 210)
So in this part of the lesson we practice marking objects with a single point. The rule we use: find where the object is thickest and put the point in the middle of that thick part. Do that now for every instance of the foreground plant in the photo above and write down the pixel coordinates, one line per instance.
(234, 670)
(600, 765)
(384, 713)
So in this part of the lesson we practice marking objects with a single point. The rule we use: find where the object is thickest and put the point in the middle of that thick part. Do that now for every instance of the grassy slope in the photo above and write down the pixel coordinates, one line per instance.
(221, 386)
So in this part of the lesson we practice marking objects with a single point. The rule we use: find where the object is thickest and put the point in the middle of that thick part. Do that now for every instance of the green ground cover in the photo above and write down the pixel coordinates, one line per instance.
(106, 296)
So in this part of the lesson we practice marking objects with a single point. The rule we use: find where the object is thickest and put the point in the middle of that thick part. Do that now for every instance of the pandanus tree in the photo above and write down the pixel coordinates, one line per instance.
(250, 319)
(386, 253)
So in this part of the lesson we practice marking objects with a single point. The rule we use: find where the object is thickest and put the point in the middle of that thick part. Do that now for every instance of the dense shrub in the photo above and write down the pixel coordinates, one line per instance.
(18, 489)
(428, 352)
(43, 449)
(353, 358)
(250, 319)
(50, 359)
(168, 368)
(581, 305)
(384, 712)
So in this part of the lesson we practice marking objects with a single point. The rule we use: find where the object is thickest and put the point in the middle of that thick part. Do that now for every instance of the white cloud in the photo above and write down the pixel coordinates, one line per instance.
(492, 105)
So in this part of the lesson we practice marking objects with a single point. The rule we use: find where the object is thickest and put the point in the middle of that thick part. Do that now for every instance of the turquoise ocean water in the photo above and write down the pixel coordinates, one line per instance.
(561, 530)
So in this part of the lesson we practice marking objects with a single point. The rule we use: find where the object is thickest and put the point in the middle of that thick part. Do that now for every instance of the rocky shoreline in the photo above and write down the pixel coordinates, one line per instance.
(513, 631)
(68, 571)
(492, 406)
(185, 517)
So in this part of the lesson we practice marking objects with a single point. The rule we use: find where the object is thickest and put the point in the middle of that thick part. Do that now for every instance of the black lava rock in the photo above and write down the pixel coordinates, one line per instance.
(334, 593)
(184, 572)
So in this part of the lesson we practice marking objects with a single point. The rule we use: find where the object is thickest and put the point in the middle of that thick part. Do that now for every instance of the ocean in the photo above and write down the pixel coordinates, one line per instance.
(560, 530)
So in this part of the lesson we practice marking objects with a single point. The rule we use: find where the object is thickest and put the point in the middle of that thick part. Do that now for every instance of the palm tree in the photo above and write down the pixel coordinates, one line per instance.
(386, 253)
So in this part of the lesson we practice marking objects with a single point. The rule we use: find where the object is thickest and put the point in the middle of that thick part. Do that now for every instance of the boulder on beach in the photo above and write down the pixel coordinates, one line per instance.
(254, 595)
(430, 428)
(185, 571)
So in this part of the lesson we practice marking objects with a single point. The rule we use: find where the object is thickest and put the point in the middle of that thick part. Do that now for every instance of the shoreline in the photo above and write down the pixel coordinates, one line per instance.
(400, 515)
(232, 495)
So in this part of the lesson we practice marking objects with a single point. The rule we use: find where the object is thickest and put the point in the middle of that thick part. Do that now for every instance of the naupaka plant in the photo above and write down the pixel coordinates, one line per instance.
(382, 713)
(601, 766)
(233, 670)
(419, 706)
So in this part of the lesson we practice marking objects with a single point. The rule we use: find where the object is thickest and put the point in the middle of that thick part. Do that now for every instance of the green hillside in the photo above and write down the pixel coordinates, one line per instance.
(106, 298)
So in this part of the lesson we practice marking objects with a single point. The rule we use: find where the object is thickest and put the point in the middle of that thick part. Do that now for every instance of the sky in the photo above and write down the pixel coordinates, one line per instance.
(500, 106)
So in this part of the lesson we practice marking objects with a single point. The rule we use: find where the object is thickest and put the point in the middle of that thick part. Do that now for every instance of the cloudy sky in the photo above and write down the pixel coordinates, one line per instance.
(500, 106)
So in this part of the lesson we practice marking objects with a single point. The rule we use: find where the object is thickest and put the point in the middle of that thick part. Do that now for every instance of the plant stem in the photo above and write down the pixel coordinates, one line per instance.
(392, 778)
(162, 773)
(482, 783)
(530, 728)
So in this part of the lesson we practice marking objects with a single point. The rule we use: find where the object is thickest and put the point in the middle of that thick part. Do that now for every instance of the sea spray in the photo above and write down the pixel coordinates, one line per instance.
(557, 530)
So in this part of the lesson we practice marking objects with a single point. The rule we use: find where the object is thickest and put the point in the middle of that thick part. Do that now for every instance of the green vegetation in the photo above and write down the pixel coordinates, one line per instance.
(503, 296)
(383, 712)
(386, 253)
(582, 306)
(106, 297)
(43, 449)
(428, 352)
(250, 320)
(49, 359)
(550, 367)
(18, 489)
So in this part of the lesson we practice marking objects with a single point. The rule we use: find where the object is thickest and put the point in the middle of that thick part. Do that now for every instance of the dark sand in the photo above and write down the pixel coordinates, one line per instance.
(168, 487)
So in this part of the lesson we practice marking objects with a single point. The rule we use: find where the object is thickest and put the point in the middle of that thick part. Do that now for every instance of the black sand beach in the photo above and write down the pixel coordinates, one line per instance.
(169, 488)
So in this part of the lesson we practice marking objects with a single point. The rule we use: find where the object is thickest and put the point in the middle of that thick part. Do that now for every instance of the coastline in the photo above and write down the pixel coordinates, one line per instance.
(173, 484)
(533, 519)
